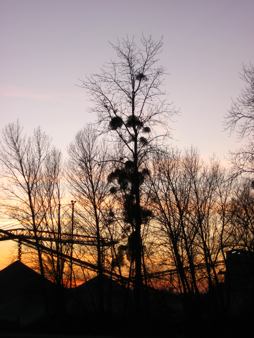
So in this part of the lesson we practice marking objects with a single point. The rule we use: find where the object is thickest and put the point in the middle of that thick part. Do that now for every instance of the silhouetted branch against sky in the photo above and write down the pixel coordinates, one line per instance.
(240, 118)
(135, 73)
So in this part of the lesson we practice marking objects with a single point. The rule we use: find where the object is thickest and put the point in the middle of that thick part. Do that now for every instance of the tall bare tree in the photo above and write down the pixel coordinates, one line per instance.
(87, 175)
(187, 201)
(55, 222)
(170, 197)
(127, 97)
(31, 170)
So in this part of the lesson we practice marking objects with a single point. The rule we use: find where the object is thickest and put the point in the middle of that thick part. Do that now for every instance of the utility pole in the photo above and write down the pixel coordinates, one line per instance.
(59, 247)
(72, 229)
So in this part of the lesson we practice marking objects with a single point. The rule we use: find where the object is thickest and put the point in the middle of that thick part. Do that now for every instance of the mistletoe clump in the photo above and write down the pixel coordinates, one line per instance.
(115, 123)
(134, 122)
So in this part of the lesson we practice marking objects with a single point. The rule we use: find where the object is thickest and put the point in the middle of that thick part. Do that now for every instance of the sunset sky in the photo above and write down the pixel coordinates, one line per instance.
(48, 46)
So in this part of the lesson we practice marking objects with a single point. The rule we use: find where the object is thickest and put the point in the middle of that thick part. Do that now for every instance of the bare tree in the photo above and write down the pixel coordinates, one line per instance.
(204, 216)
(55, 222)
(127, 96)
(22, 159)
(31, 168)
(241, 217)
(87, 175)
(186, 197)
(241, 119)
(170, 198)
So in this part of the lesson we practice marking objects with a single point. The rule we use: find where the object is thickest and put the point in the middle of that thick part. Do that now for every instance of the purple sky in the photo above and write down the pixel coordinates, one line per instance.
(47, 46)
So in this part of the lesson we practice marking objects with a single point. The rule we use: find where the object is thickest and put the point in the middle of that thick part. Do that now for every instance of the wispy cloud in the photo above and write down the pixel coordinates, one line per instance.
(21, 92)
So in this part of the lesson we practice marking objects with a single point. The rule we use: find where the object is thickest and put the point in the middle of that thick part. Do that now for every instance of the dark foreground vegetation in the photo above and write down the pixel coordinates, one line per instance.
(30, 304)
(146, 240)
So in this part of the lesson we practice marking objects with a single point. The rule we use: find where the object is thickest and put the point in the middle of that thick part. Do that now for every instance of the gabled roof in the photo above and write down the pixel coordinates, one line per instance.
(18, 277)
(25, 296)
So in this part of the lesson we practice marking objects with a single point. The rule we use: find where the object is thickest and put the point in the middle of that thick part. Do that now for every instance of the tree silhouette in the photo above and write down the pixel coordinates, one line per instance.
(241, 118)
(32, 186)
(127, 96)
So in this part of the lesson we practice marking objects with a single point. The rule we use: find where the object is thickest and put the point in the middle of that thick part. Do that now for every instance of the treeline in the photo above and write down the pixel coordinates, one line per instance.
(152, 215)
